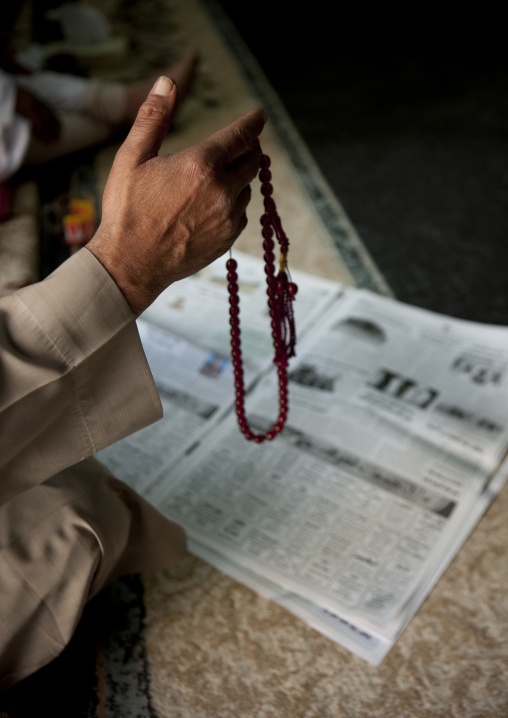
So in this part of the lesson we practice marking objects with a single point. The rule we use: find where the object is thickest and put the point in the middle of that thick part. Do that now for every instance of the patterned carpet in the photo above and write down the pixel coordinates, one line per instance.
(192, 643)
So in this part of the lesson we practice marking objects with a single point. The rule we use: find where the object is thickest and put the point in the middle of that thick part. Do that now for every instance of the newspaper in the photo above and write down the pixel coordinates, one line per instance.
(185, 335)
(395, 441)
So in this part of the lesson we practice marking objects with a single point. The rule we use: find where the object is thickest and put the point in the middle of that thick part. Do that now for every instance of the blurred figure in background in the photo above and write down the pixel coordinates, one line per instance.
(45, 115)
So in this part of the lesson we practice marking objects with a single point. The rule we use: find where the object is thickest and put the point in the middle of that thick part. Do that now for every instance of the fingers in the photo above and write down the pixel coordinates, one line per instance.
(243, 201)
(243, 170)
(230, 143)
(152, 122)
(240, 214)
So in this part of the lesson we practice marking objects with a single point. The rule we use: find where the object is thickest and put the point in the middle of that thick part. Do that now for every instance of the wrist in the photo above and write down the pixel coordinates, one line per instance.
(123, 276)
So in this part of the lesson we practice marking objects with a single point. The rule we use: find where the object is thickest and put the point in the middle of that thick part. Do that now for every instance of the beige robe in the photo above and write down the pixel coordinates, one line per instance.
(73, 379)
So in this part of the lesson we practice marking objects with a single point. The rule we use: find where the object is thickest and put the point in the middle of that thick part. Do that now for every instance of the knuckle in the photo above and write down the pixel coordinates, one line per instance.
(228, 208)
(230, 226)
(227, 216)
(122, 153)
(242, 136)
(150, 109)
(201, 165)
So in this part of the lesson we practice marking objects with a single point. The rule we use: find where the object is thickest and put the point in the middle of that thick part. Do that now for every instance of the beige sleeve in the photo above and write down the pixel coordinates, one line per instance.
(73, 374)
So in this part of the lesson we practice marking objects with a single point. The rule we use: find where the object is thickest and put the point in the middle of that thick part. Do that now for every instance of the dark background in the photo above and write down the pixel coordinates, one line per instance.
(407, 118)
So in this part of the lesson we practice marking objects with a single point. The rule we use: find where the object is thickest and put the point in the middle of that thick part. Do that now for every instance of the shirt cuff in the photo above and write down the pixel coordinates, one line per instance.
(91, 335)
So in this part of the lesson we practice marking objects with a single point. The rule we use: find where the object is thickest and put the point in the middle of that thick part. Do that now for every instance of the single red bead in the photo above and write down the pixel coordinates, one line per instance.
(265, 220)
(266, 190)
(268, 245)
(265, 175)
(293, 290)
(265, 161)
(231, 264)
(233, 288)
(234, 299)
(269, 257)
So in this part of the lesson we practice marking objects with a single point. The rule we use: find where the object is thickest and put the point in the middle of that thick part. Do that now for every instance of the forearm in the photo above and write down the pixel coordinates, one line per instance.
(74, 375)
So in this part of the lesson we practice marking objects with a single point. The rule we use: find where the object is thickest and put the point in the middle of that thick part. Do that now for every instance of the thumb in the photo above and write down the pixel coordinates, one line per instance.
(152, 123)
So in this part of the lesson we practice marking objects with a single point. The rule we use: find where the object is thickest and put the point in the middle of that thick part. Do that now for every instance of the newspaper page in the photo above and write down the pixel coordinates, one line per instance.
(185, 335)
(398, 421)
(198, 308)
(195, 389)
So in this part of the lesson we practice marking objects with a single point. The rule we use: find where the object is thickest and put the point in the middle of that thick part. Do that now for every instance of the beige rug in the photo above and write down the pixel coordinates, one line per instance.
(215, 649)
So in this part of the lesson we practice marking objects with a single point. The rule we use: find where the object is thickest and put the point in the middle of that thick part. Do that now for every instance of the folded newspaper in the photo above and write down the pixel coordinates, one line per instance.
(394, 446)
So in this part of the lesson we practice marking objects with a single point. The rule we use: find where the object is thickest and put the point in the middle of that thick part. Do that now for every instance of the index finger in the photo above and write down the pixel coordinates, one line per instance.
(237, 138)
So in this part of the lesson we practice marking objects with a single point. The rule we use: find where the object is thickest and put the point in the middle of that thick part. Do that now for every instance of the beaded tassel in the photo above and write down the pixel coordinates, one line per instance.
(281, 292)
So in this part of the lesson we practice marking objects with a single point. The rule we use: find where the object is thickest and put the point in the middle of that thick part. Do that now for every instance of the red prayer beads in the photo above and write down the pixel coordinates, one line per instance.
(281, 293)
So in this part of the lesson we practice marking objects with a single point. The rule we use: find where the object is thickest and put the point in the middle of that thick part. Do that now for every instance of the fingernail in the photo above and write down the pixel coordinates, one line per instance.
(164, 86)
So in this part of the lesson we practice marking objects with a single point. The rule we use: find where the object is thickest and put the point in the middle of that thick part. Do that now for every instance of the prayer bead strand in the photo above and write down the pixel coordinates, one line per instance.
(281, 293)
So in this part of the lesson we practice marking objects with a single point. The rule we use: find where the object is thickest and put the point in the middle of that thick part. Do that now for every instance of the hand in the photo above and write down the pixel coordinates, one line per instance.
(45, 124)
(166, 217)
